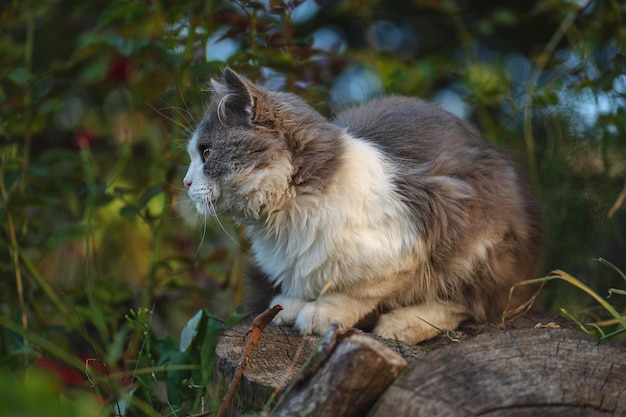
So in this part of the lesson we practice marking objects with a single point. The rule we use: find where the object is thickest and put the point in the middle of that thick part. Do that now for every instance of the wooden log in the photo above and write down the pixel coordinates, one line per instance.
(278, 357)
(347, 383)
(523, 372)
(553, 353)
(252, 338)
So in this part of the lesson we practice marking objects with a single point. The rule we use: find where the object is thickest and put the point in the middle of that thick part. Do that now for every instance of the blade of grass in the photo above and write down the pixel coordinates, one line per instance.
(613, 267)
(559, 274)
(615, 333)
(616, 291)
(610, 322)
(152, 369)
(47, 289)
(44, 344)
(580, 325)
(608, 307)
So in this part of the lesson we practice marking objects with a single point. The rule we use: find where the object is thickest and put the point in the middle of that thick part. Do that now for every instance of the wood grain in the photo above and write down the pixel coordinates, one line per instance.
(523, 372)
(348, 384)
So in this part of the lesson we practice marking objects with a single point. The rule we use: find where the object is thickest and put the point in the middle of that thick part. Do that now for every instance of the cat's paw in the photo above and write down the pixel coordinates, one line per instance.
(291, 308)
(397, 327)
(316, 317)
(414, 324)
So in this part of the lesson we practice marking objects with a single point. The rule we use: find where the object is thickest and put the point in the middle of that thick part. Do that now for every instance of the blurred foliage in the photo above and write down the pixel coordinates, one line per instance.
(101, 258)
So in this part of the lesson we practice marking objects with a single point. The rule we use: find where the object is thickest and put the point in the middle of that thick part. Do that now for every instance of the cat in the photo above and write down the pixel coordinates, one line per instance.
(396, 208)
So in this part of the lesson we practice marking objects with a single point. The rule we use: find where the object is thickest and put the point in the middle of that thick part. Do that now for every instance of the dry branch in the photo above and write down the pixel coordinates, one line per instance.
(254, 335)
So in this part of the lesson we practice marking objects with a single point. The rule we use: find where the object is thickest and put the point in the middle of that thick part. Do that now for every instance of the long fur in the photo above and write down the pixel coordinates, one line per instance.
(396, 207)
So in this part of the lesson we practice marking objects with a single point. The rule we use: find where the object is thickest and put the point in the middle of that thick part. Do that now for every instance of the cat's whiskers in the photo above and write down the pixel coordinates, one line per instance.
(178, 202)
(185, 114)
(193, 119)
(215, 215)
(204, 226)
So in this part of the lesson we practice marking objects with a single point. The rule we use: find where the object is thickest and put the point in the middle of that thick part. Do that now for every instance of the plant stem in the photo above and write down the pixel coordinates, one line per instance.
(542, 61)
(41, 281)
(28, 133)
(28, 99)
(157, 242)
(559, 274)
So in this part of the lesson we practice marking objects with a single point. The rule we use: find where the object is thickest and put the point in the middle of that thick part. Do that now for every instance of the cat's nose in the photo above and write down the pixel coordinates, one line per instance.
(187, 183)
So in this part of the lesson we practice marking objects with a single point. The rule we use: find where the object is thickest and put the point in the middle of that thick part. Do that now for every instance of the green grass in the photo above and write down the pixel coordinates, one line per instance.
(613, 322)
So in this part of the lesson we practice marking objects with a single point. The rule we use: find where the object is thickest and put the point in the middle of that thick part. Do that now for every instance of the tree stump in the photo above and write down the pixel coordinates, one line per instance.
(539, 365)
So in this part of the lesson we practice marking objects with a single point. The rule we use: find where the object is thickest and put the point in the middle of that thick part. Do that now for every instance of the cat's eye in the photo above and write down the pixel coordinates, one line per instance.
(205, 154)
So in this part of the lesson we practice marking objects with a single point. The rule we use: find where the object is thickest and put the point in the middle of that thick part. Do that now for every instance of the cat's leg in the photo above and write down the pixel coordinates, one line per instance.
(414, 324)
(316, 316)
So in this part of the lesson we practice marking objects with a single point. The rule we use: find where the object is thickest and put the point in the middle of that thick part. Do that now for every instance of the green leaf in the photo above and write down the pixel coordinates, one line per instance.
(129, 211)
(174, 378)
(19, 76)
(165, 347)
(149, 194)
(190, 330)
(30, 396)
(234, 319)
(120, 12)
(504, 17)
(42, 86)
(39, 170)
(613, 267)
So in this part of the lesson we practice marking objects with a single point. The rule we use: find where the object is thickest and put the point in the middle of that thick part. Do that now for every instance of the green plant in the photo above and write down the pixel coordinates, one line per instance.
(605, 328)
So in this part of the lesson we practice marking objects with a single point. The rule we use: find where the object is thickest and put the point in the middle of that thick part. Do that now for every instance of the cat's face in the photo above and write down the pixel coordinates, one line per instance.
(238, 167)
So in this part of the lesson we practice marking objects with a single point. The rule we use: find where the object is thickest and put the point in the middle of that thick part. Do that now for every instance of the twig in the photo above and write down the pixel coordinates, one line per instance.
(510, 313)
(618, 203)
(254, 334)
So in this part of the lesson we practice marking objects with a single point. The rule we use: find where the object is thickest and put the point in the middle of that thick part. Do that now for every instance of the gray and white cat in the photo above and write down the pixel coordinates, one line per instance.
(395, 208)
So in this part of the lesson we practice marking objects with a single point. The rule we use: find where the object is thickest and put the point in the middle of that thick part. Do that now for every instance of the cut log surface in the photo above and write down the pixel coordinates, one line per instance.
(277, 358)
(524, 372)
(539, 365)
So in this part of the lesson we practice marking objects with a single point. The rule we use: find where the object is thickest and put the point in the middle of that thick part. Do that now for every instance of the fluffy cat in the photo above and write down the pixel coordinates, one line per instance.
(397, 208)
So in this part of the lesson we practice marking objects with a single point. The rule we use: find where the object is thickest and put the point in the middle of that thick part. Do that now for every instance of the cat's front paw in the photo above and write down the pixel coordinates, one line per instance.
(291, 307)
(396, 327)
(317, 316)
(414, 324)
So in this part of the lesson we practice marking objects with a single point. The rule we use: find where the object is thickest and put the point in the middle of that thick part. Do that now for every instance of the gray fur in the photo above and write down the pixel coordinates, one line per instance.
(240, 135)
(428, 143)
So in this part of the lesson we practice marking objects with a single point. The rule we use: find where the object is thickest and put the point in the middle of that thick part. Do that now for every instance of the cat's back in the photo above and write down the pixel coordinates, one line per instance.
(410, 127)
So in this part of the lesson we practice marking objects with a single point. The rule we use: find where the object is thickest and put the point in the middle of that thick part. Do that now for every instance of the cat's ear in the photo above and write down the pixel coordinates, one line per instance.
(240, 96)
(218, 88)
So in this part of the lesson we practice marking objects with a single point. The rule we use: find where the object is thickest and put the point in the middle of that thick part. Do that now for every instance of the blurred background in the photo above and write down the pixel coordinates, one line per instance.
(109, 278)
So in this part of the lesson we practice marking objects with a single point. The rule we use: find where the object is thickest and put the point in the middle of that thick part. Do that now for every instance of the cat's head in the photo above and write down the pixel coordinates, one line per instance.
(249, 152)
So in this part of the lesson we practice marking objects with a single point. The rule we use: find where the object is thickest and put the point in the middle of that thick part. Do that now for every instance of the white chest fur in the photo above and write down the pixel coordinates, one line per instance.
(354, 231)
